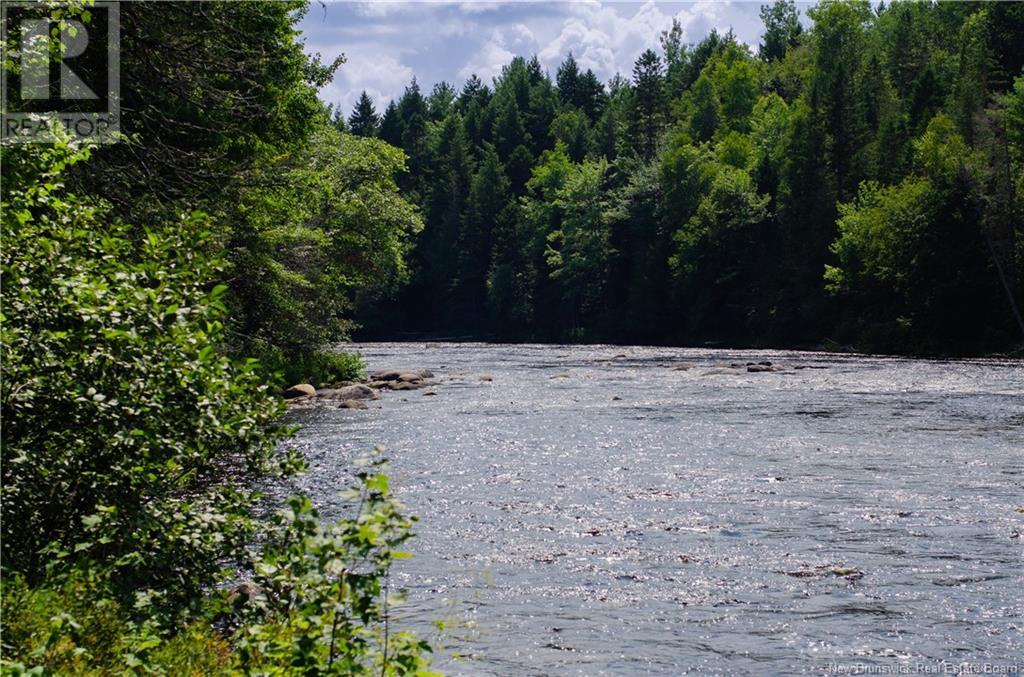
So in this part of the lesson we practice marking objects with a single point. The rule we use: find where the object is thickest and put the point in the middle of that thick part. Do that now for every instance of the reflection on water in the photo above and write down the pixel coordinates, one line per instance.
(592, 510)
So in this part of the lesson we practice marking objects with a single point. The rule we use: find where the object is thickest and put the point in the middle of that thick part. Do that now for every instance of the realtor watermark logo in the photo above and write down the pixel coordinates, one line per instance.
(61, 69)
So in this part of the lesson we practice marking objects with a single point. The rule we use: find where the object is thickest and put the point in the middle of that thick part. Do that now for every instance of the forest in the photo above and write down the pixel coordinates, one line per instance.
(852, 180)
(851, 184)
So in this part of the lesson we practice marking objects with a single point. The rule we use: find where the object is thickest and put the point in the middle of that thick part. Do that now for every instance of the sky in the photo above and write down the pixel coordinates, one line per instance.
(387, 43)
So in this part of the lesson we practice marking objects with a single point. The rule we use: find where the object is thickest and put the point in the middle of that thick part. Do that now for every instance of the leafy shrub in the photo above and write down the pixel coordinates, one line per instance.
(307, 366)
(319, 606)
(323, 600)
(126, 433)
(75, 628)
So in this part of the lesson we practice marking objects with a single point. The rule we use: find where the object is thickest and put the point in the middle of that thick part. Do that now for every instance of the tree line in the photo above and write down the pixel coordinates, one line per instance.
(857, 181)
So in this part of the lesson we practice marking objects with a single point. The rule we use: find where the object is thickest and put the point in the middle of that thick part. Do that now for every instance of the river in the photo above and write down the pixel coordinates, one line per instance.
(592, 510)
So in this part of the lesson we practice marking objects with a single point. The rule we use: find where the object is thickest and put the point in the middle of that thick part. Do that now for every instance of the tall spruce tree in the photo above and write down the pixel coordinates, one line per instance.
(364, 119)
(567, 80)
(648, 103)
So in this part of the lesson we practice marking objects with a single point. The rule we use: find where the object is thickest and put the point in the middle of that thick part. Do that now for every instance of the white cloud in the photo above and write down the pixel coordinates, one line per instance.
(487, 63)
(602, 38)
(504, 45)
(381, 75)
(479, 6)
(383, 8)
(388, 42)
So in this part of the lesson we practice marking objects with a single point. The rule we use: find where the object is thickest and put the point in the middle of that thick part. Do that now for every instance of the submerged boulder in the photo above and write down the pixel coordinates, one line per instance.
(721, 371)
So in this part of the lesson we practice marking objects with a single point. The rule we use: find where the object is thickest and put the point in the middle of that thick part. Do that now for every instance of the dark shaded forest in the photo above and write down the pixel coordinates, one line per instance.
(854, 183)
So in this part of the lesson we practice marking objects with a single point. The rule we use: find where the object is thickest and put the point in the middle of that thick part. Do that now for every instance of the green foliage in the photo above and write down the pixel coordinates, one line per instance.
(205, 105)
(321, 366)
(648, 103)
(734, 75)
(579, 251)
(914, 253)
(74, 627)
(322, 605)
(1014, 119)
(364, 119)
(882, 230)
(320, 229)
(941, 151)
(126, 431)
(738, 164)
(319, 604)
(132, 433)
(782, 29)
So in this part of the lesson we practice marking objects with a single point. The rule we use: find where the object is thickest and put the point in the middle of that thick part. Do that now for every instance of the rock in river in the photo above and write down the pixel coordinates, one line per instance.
(400, 374)
(299, 390)
(353, 392)
(720, 371)
(385, 375)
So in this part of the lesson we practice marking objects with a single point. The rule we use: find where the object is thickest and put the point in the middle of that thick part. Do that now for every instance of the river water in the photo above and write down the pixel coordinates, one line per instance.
(591, 510)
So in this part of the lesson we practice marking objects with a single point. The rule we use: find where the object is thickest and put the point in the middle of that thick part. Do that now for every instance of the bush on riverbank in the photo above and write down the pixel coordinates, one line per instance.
(130, 443)
(319, 605)
(311, 367)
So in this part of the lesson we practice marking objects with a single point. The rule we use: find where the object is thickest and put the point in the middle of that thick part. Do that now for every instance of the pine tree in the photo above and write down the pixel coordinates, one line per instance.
(509, 130)
(412, 109)
(446, 203)
(364, 119)
(488, 196)
(590, 95)
(567, 80)
(391, 126)
(648, 103)
(441, 100)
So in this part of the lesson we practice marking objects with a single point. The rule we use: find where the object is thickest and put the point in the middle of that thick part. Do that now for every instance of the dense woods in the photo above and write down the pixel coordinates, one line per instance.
(856, 182)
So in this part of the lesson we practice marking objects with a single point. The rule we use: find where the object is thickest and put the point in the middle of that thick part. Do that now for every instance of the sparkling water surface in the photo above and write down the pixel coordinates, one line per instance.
(593, 510)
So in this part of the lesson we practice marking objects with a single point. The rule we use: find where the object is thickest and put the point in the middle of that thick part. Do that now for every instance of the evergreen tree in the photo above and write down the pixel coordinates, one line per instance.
(761, 151)
(590, 95)
(648, 103)
(441, 101)
(364, 119)
(488, 196)
(337, 117)
(391, 125)
(446, 206)
(412, 109)
(782, 29)
(567, 80)
(509, 130)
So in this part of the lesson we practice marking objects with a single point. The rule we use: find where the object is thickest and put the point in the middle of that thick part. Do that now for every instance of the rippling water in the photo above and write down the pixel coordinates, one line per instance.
(591, 510)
